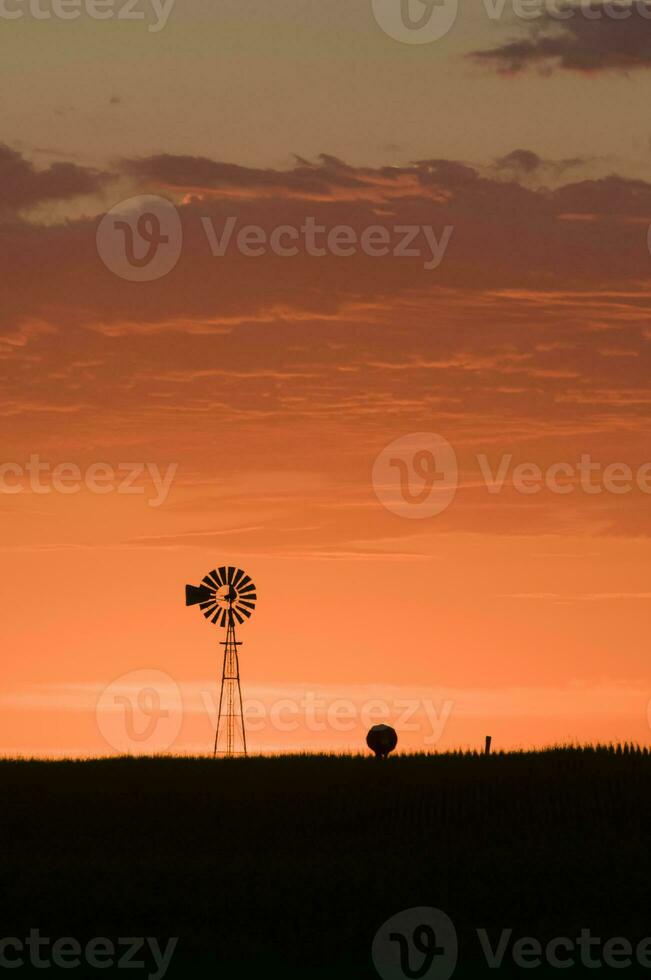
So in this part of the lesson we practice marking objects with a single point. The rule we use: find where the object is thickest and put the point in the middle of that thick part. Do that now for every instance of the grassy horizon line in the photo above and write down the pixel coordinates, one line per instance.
(610, 748)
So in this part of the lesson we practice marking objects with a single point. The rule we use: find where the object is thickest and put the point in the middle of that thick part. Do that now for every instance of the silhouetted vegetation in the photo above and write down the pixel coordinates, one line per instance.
(288, 866)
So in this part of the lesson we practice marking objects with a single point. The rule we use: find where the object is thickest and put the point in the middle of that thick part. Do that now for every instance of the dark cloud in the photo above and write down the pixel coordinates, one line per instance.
(592, 38)
(524, 161)
(582, 235)
(613, 195)
(533, 332)
(327, 178)
(23, 186)
(529, 169)
(192, 172)
(449, 173)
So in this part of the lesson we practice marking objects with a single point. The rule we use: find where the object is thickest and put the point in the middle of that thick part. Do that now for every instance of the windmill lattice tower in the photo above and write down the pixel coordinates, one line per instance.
(225, 595)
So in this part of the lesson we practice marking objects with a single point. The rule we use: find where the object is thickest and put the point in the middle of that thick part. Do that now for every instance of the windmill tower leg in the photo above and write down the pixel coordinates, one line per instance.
(230, 719)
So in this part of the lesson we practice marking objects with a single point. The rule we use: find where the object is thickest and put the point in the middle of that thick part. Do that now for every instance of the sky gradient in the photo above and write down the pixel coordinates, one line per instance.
(267, 386)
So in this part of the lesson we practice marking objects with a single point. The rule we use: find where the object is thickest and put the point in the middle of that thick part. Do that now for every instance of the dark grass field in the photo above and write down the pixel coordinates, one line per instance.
(288, 866)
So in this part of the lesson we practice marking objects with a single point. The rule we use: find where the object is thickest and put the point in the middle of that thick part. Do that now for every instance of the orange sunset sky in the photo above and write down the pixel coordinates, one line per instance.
(267, 386)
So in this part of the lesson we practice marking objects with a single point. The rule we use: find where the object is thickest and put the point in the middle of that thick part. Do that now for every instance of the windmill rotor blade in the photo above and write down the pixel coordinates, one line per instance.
(238, 595)
(195, 594)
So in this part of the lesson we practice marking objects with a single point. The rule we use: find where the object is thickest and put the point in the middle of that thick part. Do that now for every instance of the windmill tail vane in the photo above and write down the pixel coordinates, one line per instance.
(226, 595)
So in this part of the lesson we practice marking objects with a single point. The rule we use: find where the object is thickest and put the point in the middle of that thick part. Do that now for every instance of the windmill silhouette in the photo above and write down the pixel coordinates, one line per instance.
(225, 595)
